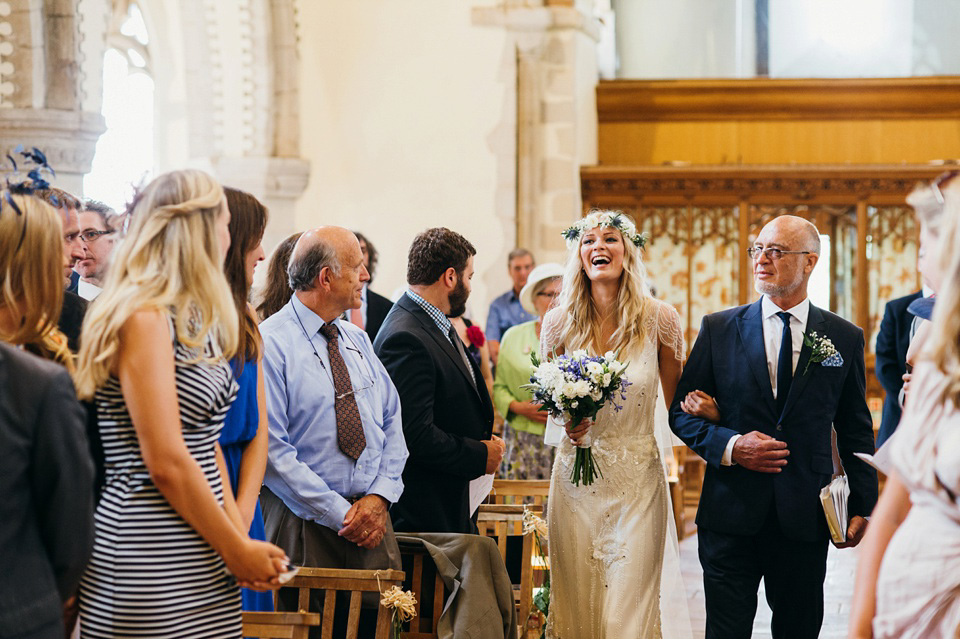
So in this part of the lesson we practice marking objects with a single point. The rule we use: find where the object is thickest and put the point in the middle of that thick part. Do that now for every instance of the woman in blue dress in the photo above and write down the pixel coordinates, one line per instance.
(244, 435)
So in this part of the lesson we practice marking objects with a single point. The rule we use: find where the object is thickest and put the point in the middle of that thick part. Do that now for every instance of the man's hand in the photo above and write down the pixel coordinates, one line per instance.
(366, 522)
(855, 532)
(699, 404)
(495, 450)
(759, 452)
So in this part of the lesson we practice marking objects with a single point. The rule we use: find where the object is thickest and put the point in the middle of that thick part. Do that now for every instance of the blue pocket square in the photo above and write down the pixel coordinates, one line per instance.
(834, 361)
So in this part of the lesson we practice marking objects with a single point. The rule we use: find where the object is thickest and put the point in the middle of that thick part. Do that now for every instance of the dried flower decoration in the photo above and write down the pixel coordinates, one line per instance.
(403, 606)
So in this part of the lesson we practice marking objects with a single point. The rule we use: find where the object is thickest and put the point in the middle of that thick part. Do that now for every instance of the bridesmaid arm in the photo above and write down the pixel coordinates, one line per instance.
(890, 512)
(229, 503)
(145, 368)
(254, 460)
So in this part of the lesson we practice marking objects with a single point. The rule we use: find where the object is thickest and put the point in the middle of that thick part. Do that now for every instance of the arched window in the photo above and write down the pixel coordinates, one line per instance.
(125, 155)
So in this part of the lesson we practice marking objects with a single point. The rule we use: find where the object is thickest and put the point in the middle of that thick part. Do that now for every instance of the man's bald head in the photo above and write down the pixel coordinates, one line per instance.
(799, 234)
(324, 247)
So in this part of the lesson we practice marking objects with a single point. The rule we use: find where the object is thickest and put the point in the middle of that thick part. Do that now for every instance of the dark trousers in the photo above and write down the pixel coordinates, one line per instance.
(792, 573)
(307, 543)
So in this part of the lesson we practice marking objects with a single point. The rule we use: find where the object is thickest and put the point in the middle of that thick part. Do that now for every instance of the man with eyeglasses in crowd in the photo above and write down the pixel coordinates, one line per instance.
(98, 237)
(767, 443)
(336, 447)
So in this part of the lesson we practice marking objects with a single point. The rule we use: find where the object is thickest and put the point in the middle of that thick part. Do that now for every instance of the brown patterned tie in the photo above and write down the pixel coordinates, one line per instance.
(349, 427)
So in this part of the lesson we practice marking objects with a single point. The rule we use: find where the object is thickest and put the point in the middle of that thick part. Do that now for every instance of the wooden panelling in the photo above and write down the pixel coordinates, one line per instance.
(758, 121)
(779, 142)
(779, 99)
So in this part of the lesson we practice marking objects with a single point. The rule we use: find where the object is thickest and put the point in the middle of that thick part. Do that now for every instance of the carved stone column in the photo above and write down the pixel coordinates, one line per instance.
(277, 182)
(554, 45)
(40, 87)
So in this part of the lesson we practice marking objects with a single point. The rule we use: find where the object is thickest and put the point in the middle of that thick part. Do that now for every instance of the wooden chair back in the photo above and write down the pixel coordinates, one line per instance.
(520, 491)
(354, 583)
(502, 521)
(279, 625)
(423, 579)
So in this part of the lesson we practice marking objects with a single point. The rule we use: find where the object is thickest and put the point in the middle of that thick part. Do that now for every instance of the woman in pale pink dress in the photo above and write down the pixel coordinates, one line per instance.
(908, 580)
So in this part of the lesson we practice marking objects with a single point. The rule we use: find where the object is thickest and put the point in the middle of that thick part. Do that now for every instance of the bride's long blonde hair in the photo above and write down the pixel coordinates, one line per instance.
(169, 260)
(582, 319)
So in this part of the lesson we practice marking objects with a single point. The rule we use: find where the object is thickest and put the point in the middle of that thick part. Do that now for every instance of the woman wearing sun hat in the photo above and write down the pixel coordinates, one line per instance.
(526, 457)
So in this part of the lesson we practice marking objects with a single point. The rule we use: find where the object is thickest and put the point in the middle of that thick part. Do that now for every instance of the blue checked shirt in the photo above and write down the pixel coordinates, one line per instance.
(305, 466)
(442, 322)
(505, 312)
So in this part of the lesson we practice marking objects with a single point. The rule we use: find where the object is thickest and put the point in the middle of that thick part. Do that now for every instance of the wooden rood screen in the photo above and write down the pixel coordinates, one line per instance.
(702, 219)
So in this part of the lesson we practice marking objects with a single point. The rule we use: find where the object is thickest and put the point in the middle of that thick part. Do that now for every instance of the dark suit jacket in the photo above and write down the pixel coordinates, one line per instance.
(728, 362)
(893, 340)
(377, 308)
(71, 318)
(46, 512)
(444, 418)
(74, 282)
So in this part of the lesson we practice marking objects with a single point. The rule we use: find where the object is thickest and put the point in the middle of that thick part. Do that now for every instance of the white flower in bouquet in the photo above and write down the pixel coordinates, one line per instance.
(574, 387)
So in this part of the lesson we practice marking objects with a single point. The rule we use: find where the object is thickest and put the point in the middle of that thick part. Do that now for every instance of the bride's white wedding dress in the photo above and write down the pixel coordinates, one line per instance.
(608, 541)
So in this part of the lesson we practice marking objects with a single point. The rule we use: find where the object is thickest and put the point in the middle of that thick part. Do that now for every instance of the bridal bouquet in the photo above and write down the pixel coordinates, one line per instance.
(576, 386)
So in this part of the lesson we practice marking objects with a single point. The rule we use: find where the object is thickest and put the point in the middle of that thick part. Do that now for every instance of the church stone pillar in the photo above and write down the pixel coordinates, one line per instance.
(40, 87)
(553, 44)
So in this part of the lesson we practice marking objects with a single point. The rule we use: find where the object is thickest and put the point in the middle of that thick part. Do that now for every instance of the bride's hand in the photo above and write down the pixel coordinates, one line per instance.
(576, 433)
(699, 404)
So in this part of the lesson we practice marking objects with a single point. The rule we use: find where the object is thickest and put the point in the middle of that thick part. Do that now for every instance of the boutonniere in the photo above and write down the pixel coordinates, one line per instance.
(822, 351)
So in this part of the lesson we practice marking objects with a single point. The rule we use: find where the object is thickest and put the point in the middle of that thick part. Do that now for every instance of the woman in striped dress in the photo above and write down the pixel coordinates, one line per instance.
(170, 546)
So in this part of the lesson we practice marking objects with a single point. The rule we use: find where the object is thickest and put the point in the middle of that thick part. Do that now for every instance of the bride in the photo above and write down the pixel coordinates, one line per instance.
(608, 541)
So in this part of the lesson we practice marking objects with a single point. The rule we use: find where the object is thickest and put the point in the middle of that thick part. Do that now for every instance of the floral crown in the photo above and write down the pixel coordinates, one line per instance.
(602, 219)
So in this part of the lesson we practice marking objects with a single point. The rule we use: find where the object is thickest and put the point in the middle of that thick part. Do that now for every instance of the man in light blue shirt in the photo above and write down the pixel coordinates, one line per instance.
(336, 446)
(506, 310)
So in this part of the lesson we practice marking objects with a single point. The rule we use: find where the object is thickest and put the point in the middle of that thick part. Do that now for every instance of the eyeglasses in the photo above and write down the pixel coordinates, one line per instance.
(941, 180)
(93, 236)
(772, 254)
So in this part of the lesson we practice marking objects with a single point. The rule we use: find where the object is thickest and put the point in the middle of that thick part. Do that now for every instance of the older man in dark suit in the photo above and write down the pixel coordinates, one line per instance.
(46, 514)
(769, 451)
(447, 413)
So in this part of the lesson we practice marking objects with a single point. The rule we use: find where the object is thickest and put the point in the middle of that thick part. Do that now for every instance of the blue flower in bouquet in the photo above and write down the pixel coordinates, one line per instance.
(576, 386)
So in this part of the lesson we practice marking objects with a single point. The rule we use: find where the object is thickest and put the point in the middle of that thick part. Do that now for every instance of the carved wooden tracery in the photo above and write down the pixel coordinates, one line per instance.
(722, 208)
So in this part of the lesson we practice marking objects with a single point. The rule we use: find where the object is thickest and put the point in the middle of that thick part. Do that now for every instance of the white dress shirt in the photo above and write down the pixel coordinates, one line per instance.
(772, 337)
(88, 291)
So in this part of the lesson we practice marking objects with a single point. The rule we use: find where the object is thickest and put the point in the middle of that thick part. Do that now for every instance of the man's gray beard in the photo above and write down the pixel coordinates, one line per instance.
(770, 290)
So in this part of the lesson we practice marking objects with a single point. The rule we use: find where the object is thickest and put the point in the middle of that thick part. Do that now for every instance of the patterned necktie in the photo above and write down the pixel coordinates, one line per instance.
(463, 353)
(784, 362)
(349, 427)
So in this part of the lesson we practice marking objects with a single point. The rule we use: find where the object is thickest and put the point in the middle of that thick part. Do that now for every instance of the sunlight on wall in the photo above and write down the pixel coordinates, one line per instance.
(124, 156)
(819, 286)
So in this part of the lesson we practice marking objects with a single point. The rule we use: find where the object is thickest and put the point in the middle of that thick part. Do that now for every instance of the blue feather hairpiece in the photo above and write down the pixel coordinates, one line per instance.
(35, 180)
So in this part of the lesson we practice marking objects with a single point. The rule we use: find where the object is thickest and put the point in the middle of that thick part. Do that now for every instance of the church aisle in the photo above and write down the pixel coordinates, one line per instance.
(838, 590)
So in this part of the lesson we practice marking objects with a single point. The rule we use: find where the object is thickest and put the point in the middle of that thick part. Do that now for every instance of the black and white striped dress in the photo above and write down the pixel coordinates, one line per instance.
(151, 574)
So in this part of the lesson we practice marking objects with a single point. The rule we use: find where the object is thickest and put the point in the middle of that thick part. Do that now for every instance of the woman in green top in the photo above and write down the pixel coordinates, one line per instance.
(526, 456)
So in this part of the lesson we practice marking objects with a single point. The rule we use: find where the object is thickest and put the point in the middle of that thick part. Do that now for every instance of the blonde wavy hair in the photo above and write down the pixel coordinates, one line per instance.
(169, 260)
(582, 319)
(31, 265)
(943, 221)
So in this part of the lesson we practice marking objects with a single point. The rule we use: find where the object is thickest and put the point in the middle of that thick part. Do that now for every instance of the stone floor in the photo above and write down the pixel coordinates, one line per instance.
(838, 589)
